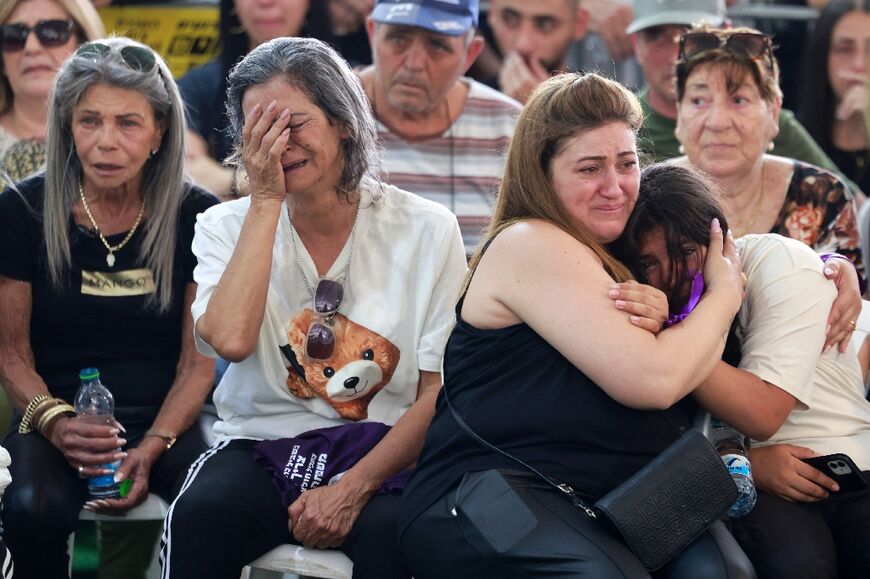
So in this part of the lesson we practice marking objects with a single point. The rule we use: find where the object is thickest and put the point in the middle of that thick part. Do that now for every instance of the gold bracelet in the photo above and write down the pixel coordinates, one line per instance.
(42, 408)
(52, 414)
(167, 437)
(25, 427)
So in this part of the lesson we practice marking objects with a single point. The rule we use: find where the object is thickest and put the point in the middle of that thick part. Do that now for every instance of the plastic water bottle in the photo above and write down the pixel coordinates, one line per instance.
(729, 443)
(95, 404)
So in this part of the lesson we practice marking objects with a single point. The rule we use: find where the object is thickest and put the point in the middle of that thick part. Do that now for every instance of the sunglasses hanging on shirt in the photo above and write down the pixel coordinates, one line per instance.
(320, 342)
(326, 297)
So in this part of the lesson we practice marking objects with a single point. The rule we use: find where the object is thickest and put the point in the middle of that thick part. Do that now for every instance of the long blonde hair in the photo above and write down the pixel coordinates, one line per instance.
(558, 109)
(89, 27)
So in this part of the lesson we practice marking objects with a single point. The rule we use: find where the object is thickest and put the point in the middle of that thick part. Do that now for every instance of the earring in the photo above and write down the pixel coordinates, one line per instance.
(681, 149)
(770, 147)
(154, 151)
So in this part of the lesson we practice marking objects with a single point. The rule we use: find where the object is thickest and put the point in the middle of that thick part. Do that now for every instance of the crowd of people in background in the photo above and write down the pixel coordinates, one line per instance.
(360, 203)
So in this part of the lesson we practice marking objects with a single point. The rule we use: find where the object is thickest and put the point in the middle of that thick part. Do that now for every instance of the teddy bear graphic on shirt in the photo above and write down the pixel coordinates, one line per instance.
(362, 363)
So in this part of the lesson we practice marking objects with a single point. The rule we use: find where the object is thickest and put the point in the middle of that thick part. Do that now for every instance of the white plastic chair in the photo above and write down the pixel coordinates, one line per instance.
(152, 509)
(297, 560)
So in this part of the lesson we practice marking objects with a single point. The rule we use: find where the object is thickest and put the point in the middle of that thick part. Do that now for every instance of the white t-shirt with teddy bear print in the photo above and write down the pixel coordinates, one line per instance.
(397, 312)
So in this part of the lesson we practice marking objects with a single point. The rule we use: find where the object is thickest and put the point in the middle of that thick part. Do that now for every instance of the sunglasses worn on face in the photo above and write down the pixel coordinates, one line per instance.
(749, 44)
(137, 58)
(320, 343)
(51, 34)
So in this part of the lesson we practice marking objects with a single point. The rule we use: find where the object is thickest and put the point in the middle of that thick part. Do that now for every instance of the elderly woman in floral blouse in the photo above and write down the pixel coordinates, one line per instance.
(728, 109)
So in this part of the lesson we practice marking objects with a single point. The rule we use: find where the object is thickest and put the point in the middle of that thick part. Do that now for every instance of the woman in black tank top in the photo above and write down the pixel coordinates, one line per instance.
(543, 366)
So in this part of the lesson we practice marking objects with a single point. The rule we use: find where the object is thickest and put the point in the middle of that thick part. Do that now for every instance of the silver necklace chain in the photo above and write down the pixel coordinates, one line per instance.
(346, 274)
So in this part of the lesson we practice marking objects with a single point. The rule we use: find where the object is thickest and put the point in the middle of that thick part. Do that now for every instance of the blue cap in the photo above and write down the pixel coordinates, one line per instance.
(450, 17)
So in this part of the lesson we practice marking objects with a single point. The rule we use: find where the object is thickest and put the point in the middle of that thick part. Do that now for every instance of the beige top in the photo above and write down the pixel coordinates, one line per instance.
(782, 330)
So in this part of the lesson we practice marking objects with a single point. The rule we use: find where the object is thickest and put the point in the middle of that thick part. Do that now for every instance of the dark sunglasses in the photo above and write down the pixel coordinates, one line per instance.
(51, 34)
(137, 58)
(749, 44)
(320, 343)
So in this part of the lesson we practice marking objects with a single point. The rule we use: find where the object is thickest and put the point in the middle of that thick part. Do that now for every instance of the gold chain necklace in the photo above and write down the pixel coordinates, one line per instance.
(755, 210)
(110, 258)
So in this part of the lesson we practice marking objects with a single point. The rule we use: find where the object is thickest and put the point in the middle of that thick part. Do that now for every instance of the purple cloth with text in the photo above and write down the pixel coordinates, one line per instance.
(319, 456)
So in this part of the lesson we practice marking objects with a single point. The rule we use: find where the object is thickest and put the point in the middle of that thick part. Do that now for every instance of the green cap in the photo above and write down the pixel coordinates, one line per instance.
(124, 487)
(89, 374)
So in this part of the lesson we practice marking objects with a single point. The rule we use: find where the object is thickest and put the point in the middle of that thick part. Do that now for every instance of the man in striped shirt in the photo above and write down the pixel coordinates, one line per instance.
(443, 135)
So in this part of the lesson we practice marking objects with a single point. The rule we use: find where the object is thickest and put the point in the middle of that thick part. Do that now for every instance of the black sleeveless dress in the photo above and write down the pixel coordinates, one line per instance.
(519, 393)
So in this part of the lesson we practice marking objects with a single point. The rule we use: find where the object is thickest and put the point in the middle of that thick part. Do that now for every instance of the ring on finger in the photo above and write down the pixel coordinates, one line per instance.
(81, 470)
(853, 324)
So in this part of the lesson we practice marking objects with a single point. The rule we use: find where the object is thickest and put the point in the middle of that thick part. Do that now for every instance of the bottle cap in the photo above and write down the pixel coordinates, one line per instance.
(124, 487)
(89, 374)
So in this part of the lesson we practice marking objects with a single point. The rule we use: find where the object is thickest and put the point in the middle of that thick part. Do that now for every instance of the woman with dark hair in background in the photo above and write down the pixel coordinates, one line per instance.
(836, 91)
(244, 25)
(341, 24)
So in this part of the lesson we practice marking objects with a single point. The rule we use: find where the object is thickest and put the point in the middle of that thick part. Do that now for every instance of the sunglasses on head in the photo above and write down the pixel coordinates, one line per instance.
(51, 34)
(320, 342)
(137, 58)
(749, 44)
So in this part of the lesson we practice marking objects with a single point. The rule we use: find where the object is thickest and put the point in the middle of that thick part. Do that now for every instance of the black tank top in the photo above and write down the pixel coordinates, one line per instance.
(519, 393)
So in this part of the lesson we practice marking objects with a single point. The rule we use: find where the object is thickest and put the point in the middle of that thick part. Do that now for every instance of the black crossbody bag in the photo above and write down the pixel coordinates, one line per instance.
(658, 512)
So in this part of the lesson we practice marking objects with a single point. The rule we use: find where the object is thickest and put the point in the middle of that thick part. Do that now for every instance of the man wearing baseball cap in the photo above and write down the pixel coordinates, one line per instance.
(655, 32)
(443, 135)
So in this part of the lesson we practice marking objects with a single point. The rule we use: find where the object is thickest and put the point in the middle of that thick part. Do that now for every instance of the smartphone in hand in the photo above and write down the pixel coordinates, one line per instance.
(840, 468)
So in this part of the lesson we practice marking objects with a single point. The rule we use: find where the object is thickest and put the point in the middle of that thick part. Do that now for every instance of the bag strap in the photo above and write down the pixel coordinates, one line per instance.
(564, 488)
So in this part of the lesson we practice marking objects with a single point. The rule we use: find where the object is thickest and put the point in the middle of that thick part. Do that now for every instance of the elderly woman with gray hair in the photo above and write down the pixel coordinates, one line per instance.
(332, 295)
(96, 270)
